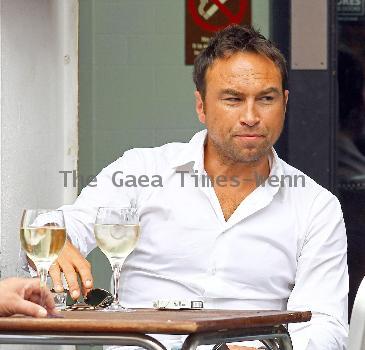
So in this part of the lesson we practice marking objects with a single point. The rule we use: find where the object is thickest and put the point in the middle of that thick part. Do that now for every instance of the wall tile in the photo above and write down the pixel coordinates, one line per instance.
(155, 50)
(110, 49)
(126, 16)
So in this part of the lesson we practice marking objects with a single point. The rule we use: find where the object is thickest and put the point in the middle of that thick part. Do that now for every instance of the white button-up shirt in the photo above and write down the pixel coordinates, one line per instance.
(284, 248)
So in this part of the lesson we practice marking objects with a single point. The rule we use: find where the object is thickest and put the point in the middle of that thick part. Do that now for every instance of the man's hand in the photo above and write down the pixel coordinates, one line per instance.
(23, 296)
(71, 263)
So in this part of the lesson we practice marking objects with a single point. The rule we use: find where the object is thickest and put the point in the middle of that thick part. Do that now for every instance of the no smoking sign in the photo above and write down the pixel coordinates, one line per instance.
(204, 17)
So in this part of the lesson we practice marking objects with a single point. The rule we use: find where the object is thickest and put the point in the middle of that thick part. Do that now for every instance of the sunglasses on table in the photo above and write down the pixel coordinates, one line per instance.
(95, 299)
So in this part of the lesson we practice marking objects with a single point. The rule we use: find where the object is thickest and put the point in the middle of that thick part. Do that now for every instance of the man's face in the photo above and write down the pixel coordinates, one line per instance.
(244, 107)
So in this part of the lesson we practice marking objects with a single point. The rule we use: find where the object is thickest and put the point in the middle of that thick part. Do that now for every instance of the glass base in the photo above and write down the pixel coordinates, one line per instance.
(117, 307)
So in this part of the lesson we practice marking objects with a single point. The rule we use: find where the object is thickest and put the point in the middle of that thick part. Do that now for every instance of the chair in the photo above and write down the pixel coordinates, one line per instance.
(352, 198)
(356, 339)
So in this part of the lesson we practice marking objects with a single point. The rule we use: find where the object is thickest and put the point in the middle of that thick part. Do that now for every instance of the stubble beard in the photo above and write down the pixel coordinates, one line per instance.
(230, 154)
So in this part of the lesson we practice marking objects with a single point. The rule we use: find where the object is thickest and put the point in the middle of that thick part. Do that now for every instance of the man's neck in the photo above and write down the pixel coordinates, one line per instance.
(239, 179)
(215, 166)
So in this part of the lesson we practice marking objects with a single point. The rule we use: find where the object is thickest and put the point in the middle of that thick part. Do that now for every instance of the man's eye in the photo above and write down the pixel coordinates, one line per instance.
(232, 99)
(266, 98)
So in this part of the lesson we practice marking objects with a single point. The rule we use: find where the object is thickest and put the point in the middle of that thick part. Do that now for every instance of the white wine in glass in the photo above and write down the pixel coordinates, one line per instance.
(42, 236)
(116, 232)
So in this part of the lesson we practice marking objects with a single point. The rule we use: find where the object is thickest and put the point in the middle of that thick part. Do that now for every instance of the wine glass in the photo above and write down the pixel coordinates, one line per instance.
(116, 232)
(42, 236)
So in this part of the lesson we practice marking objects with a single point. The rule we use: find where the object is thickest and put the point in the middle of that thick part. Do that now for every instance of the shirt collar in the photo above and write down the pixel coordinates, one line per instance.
(276, 170)
(193, 152)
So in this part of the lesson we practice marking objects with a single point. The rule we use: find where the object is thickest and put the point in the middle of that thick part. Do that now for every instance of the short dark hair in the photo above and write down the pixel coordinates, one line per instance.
(233, 39)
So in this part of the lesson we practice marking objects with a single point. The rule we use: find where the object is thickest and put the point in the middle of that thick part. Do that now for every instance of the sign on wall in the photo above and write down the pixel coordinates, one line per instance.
(204, 17)
(350, 10)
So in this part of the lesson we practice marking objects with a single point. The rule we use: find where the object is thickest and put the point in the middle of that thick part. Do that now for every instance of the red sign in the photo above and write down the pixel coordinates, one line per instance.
(205, 17)
(201, 17)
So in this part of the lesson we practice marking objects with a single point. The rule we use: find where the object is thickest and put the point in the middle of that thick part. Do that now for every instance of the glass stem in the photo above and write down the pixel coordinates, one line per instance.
(116, 278)
(43, 272)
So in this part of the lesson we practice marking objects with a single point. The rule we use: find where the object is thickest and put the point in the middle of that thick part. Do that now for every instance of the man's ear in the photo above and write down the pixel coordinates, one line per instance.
(286, 97)
(199, 107)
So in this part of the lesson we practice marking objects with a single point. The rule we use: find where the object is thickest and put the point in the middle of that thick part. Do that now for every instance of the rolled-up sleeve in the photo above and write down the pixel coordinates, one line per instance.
(321, 283)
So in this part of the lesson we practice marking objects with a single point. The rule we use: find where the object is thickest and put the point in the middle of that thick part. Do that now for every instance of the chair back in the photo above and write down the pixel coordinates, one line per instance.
(356, 339)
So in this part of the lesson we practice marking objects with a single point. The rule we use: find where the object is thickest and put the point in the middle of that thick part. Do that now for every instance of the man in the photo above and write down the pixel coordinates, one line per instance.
(259, 235)
(23, 296)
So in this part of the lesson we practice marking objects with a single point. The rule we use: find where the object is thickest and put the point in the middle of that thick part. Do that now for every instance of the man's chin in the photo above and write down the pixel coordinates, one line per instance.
(249, 156)
(248, 159)
(239, 153)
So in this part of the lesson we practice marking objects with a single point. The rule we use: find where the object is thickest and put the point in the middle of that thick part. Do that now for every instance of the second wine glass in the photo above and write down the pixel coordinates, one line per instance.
(116, 232)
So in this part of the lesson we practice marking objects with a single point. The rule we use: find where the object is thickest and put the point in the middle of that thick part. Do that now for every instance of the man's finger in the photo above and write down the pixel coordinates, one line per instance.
(55, 273)
(84, 291)
(26, 307)
(71, 278)
(47, 299)
(72, 256)
(84, 269)
(38, 295)
(30, 286)
(49, 303)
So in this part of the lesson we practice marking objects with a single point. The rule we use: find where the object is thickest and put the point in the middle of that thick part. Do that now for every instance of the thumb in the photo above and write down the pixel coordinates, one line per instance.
(26, 307)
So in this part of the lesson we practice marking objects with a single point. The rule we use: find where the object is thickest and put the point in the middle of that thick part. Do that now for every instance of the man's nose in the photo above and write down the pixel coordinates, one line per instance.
(249, 115)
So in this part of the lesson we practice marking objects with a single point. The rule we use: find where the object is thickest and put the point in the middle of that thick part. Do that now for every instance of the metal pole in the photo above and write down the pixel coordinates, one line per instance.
(268, 334)
(141, 340)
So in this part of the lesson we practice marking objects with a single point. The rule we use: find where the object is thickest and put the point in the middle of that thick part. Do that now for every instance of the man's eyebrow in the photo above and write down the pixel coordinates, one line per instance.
(230, 92)
(270, 90)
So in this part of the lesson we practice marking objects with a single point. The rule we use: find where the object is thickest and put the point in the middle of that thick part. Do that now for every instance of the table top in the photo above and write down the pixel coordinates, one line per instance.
(153, 321)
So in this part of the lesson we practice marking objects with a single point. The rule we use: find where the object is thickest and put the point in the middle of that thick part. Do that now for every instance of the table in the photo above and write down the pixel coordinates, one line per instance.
(131, 328)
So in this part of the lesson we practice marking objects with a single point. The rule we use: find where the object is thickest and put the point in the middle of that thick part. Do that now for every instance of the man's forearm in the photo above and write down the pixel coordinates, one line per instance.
(323, 332)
